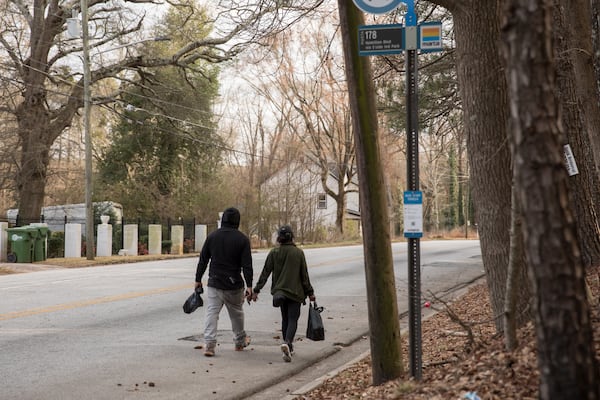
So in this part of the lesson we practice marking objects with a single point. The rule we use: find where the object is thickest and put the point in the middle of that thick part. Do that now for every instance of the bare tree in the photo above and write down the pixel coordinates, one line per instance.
(309, 78)
(580, 115)
(265, 137)
(50, 89)
(483, 91)
(568, 367)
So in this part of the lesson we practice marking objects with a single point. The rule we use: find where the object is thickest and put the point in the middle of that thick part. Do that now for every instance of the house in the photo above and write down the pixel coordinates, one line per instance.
(295, 195)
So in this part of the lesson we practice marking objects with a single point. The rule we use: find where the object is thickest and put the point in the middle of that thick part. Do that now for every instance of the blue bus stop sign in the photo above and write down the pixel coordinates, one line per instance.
(377, 6)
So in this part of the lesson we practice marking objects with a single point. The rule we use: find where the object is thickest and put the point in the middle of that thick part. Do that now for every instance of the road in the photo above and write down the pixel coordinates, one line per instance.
(118, 332)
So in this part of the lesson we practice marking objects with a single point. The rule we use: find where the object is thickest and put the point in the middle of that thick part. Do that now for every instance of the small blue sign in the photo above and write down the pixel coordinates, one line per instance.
(377, 6)
(413, 214)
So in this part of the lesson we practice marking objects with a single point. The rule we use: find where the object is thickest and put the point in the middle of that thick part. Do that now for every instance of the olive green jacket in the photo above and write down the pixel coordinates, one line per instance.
(290, 274)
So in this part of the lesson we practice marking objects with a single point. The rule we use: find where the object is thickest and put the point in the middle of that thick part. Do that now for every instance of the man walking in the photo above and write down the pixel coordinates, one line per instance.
(228, 251)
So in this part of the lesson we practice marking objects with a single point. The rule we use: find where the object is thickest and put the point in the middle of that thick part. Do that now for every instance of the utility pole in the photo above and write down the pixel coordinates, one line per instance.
(89, 209)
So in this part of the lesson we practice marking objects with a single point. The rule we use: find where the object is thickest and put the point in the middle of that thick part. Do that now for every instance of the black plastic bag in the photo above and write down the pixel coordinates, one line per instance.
(194, 301)
(315, 329)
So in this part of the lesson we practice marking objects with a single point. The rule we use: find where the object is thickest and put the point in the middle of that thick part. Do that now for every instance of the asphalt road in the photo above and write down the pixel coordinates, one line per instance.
(119, 332)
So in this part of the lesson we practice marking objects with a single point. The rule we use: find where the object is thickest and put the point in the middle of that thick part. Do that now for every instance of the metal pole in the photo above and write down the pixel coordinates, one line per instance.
(89, 210)
(414, 261)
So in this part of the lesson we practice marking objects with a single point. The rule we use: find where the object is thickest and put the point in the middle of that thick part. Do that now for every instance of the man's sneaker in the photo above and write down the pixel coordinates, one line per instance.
(243, 345)
(287, 355)
(209, 351)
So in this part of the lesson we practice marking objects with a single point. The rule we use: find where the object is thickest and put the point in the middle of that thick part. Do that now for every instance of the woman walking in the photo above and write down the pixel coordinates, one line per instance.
(290, 285)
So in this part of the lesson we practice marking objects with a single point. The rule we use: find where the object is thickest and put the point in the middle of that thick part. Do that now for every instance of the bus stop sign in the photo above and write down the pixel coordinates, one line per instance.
(377, 6)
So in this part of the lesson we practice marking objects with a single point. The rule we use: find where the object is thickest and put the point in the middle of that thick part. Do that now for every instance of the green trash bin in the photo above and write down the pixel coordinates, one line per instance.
(39, 247)
(22, 241)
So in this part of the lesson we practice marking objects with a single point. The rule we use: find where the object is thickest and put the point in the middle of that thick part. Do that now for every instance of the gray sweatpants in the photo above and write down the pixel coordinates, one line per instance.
(233, 300)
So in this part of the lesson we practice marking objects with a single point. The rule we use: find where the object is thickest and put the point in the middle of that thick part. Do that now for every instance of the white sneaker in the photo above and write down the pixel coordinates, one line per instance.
(287, 356)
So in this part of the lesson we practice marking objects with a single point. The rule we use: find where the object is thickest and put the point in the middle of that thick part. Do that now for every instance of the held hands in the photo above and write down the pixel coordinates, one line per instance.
(249, 295)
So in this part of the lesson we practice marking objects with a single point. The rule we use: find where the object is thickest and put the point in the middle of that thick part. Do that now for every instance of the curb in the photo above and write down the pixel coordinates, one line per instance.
(319, 381)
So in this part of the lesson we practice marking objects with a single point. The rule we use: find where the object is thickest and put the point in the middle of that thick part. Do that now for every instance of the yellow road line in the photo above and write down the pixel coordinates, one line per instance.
(100, 300)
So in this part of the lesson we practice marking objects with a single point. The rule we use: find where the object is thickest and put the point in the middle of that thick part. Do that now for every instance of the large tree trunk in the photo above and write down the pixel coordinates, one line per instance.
(35, 151)
(568, 368)
(574, 31)
(595, 4)
(581, 116)
(384, 323)
(483, 91)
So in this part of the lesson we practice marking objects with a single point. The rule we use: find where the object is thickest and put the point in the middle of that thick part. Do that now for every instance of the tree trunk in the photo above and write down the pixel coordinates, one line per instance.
(573, 29)
(595, 4)
(516, 254)
(35, 153)
(483, 92)
(568, 368)
(580, 114)
(384, 324)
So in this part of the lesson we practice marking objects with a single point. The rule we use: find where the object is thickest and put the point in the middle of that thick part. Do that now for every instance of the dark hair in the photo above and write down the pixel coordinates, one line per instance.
(285, 234)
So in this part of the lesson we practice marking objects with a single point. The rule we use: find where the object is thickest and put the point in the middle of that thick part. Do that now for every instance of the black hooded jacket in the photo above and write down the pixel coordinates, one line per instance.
(228, 251)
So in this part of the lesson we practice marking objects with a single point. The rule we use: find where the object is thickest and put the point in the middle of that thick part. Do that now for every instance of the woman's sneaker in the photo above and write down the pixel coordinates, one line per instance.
(287, 355)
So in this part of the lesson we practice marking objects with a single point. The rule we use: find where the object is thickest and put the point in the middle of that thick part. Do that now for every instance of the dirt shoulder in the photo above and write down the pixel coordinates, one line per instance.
(458, 361)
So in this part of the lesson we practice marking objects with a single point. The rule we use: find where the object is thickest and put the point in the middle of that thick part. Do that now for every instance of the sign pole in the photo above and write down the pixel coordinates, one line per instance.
(412, 168)
(393, 39)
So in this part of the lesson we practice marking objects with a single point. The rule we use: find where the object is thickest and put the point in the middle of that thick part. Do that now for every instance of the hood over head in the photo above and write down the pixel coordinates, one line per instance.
(231, 218)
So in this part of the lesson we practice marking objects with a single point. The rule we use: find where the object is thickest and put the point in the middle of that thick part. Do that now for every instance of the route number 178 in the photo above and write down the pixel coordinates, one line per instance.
(370, 35)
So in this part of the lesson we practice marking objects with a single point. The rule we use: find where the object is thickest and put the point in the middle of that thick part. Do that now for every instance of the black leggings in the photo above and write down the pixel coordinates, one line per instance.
(290, 313)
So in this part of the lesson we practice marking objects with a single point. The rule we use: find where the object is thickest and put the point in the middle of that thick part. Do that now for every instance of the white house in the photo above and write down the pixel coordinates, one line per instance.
(295, 195)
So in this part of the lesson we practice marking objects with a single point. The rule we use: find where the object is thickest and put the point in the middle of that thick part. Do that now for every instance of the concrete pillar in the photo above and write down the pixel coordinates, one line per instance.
(72, 240)
(200, 233)
(177, 239)
(130, 239)
(104, 238)
(3, 241)
(154, 239)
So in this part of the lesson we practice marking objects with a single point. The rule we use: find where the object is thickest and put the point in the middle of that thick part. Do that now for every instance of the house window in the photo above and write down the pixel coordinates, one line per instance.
(322, 201)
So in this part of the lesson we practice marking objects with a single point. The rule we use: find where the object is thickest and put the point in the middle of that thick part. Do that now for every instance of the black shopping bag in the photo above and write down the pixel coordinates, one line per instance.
(315, 329)
(194, 301)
